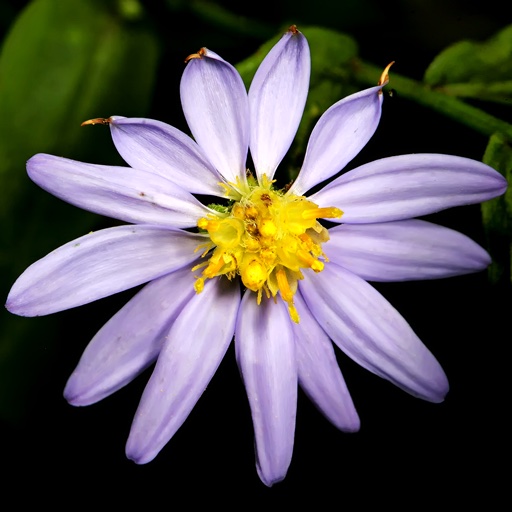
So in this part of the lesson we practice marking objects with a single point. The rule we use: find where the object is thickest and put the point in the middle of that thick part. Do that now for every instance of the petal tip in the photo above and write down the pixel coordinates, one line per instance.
(73, 396)
(485, 261)
(270, 479)
(114, 121)
(75, 401)
(384, 77)
(198, 55)
(97, 120)
(352, 427)
(17, 306)
(293, 30)
(34, 157)
(137, 454)
(503, 185)
(10, 306)
(439, 389)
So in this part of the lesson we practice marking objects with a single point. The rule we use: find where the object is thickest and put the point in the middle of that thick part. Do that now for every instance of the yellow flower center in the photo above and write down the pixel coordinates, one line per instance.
(266, 237)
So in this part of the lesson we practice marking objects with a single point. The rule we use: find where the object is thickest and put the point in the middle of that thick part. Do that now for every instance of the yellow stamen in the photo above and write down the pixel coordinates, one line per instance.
(199, 285)
(310, 261)
(292, 311)
(254, 275)
(213, 268)
(208, 225)
(266, 237)
(322, 213)
(268, 228)
(284, 287)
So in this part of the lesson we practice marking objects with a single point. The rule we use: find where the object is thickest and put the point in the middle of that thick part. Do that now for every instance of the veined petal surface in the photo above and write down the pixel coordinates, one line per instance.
(98, 265)
(338, 136)
(277, 97)
(404, 250)
(188, 360)
(131, 340)
(265, 353)
(216, 107)
(405, 186)
(123, 193)
(319, 374)
(370, 331)
(157, 147)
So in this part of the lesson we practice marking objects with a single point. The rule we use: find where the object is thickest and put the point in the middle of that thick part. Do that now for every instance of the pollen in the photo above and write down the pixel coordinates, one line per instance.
(267, 238)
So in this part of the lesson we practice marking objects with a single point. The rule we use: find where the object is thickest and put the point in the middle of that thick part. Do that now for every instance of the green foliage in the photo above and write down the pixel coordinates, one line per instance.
(474, 69)
(497, 213)
(61, 63)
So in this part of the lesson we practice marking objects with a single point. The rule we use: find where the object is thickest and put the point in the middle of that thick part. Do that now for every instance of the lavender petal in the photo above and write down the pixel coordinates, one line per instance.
(404, 250)
(216, 107)
(339, 135)
(370, 331)
(277, 97)
(100, 264)
(131, 340)
(131, 195)
(319, 374)
(189, 358)
(265, 353)
(157, 147)
(401, 187)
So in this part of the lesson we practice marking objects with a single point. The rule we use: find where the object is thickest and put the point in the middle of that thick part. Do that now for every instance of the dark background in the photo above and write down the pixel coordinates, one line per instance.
(408, 451)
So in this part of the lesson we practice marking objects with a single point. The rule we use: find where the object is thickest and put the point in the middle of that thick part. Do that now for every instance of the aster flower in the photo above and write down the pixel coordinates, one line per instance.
(259, 266)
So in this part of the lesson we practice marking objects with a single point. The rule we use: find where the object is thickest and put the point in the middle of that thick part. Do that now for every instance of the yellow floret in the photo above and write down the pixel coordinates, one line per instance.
(266, 238)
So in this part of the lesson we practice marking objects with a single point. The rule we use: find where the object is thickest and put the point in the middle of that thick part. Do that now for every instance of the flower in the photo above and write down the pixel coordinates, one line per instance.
(303, 285)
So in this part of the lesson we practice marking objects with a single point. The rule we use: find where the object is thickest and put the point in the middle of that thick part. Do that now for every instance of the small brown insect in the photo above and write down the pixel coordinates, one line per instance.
(266, 199)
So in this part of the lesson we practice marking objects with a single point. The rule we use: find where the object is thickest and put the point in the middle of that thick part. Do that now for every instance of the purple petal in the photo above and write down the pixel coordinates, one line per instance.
(404, 250)
(156, 147)
(371, 332)
(319, 374)
(123, 193)
(401, 187)
(215, 105)
(277, 97)
(265, 353)
(339, 135)
(100, 264)
(131, 340)
(189, 358)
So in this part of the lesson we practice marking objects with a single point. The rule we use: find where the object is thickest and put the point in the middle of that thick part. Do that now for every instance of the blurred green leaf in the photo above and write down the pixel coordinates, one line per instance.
(497, 213)
(61, 63)
(219, 16)
(474, 69)
(331, 55)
